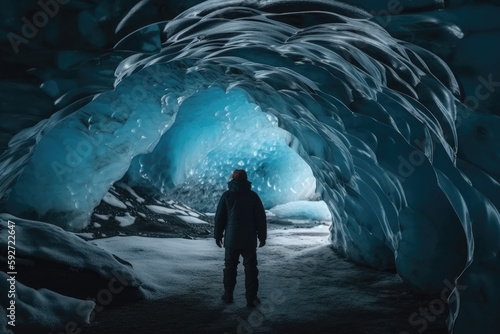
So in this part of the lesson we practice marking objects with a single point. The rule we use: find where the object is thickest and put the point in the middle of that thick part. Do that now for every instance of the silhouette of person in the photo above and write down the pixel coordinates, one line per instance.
(241, 215)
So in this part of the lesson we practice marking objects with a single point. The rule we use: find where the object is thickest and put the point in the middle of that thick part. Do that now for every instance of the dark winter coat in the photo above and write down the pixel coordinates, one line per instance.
(241, 215)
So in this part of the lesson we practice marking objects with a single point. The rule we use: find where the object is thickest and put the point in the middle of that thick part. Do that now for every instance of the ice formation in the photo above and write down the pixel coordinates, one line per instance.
(50, 243)
(215, 132)
(305, 210)
(63, 269)
(52, 310)
(409, 172)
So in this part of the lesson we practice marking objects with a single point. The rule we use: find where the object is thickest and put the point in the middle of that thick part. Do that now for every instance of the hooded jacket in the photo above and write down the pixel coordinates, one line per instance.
(241, 215)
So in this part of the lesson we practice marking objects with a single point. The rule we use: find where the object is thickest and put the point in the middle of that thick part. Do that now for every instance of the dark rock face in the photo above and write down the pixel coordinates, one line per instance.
(165, 222)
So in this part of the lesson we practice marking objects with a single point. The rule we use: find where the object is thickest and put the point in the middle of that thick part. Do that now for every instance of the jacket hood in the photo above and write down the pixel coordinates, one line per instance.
(239, 185)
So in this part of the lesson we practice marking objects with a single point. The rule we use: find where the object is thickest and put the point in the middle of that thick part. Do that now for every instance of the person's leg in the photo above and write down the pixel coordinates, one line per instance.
(251, 276)
(231, 260)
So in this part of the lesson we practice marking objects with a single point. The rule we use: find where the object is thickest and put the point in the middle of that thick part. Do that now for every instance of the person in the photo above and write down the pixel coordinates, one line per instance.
(241, 215)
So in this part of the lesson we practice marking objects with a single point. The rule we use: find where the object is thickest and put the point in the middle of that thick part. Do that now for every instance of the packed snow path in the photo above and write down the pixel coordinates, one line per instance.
(304, 287)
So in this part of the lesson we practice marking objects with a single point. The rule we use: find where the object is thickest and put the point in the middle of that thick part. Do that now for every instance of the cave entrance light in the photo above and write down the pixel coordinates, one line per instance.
(214, 133)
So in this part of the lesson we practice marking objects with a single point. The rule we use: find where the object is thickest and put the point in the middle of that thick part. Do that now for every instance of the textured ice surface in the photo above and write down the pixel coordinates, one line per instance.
(160, 281)
(409, 173)
(310, 210)
(214, 133)
(131, 191)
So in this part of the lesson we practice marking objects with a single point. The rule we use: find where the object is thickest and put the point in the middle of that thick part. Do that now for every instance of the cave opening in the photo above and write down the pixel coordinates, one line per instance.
(178, 145)
(215, 132)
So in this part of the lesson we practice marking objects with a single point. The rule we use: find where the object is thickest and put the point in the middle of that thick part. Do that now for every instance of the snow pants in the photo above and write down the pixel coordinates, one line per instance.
(231, 261)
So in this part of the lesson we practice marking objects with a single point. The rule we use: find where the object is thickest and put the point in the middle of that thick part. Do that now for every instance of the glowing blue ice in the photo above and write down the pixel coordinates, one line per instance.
(75, 163)
(214, 133)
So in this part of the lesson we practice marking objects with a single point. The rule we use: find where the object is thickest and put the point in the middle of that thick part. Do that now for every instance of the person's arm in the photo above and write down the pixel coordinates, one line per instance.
(260, 216)
(220, 220)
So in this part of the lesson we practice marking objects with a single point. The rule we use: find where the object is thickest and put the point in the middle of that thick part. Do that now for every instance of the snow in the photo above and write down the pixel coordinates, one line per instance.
(303, 210)
(131, 191)
(189, 261)
(112, 200)
(126, 220)
(96, 225)
(43, 308)
(162, 209)
(103, 217)
(86, 236)
(192, 220)
(52, 311)
(79, 173)
(301, 283)
(203, 146)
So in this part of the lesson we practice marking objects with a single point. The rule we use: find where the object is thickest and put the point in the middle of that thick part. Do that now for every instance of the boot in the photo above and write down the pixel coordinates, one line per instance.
(227, 297)
(253, 301)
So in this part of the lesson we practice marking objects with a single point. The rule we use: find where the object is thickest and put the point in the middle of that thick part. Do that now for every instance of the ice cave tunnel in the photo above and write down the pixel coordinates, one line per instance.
(381, 117)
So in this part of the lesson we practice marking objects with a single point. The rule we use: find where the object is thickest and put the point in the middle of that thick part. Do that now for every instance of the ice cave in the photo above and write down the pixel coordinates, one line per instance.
(369, 129)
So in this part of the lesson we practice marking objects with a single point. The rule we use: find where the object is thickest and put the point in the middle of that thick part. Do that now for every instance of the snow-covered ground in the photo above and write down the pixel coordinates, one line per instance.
(169, 266)
(304, 286)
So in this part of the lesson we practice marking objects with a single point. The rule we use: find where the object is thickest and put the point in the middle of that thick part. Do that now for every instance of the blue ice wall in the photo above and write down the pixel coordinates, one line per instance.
(214, 133)
(76, 162)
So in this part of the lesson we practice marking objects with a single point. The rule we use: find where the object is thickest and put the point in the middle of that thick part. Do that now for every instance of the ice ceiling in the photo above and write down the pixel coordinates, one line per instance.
(309, 96)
